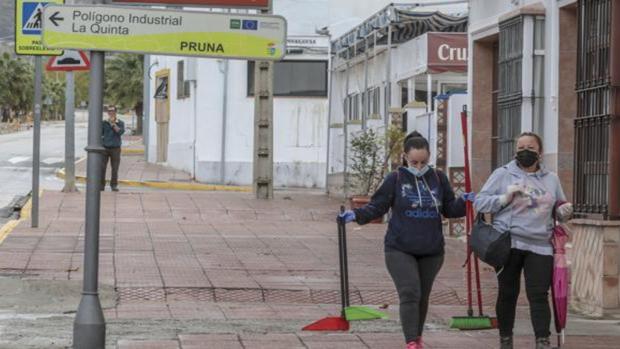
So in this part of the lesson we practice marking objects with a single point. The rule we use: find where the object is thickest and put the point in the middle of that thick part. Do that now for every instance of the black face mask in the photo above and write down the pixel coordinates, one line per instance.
(526, 158)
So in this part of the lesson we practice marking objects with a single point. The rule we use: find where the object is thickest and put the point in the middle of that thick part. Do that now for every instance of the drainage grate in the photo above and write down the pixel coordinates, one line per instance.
(252, 295)
(282, 296)
(190, 294)
(446, 297)
(141, 294)
(379, 297)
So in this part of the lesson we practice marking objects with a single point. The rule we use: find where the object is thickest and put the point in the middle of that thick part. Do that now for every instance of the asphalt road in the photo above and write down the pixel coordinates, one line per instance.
(16, 158)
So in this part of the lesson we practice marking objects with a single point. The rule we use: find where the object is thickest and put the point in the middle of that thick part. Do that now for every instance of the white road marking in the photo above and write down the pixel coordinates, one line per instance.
(18, 159)
(50, 161)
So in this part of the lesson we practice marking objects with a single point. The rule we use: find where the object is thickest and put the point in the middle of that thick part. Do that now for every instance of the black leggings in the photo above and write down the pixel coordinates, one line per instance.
(538, 270)
(413, 277)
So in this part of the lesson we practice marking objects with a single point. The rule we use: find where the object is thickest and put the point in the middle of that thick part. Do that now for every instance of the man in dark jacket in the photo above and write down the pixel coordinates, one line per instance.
(113, 129)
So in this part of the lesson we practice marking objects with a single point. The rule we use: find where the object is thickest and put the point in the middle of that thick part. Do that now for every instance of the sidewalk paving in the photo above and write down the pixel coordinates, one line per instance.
(134, 171)
(223, 270)
(134, 168)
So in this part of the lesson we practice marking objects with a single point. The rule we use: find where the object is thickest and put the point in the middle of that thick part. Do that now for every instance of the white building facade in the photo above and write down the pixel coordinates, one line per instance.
(202, 120)
(390, 69)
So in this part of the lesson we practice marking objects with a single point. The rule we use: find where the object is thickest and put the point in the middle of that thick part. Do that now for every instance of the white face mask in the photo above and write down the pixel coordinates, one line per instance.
(419, 172)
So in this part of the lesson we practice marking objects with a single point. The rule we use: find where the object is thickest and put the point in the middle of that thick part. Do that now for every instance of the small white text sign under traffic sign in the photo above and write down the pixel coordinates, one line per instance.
(168, 32)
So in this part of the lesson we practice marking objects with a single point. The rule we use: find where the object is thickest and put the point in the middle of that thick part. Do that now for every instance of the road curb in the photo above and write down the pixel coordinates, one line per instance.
(9, 226)
(132, 151)
(170, 185)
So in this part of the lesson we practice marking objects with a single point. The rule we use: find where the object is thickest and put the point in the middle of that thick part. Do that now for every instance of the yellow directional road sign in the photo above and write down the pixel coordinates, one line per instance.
(171, 32)
(28, 22)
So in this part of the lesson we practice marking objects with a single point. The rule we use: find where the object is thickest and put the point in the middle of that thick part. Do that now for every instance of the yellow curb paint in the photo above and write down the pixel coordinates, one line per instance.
(8, 227)
(189, 186)
(60, 173)
(169, 185)
(132, 151)
(184, 186)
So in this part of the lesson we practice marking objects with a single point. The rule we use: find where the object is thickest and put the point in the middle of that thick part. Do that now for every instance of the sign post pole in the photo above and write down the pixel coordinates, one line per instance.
(28, 25)
(69, 62)
(36, 143)
(69, 134)
(263, 128)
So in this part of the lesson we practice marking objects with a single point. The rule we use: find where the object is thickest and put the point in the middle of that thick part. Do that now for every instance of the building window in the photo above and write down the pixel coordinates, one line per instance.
(538, 78)
(375, 109)
(352, 107)
(374, 102)
(421, 96)
(494, 96)
(182, 85)
(295, 79)
(354, 102)
(595, 105)
(509, 97)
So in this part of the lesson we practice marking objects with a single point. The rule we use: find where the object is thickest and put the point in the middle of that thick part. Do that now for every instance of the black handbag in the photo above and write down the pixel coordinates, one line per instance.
(490, 245)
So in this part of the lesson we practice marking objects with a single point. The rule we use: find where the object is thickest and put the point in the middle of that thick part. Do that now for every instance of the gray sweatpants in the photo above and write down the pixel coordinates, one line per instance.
(413, 277)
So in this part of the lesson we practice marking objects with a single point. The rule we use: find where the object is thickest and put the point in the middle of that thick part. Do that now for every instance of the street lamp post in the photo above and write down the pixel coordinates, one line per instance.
(89, 326)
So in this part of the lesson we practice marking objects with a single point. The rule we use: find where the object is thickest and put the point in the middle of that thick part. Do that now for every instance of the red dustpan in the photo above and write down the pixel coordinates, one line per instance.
(337, 323)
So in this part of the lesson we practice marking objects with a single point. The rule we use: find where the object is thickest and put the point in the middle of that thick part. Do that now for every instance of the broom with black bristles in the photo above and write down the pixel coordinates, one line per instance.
(471, 322)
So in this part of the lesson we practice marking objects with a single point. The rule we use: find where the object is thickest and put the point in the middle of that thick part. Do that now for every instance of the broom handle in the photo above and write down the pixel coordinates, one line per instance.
(469, 281)
(343, 300)
(479, 292)
(469, 211)
(345, 264)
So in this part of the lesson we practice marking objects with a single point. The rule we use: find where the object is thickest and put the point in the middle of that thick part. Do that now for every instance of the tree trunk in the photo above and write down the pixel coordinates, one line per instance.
(138, 109)
(6, 114)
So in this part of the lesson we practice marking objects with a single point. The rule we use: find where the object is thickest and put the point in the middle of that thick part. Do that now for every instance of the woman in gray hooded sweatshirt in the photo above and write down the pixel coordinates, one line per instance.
(521, 196)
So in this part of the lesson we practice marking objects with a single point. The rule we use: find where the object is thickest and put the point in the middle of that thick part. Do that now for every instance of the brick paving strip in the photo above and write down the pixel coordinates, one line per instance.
(207, 269)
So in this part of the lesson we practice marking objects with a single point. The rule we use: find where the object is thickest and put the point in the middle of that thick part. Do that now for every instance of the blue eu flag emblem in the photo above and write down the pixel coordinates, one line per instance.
(250, 25)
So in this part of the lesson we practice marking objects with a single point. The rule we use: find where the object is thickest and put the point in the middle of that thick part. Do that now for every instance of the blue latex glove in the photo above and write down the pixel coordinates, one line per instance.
(469, 196)
(348, 216)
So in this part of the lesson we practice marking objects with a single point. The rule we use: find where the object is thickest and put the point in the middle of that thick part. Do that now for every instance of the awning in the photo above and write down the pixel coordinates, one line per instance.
(406, 21)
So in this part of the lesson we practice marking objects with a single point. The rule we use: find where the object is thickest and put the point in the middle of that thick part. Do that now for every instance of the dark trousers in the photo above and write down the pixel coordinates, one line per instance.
(114, 156)
(538, 270)
(413, 277)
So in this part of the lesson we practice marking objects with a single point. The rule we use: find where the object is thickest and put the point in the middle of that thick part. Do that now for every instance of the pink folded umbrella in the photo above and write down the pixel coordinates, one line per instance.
(559, 288)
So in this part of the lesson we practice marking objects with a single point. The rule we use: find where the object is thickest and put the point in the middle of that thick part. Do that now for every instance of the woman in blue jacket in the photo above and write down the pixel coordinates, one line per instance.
(521, 196)
(414, 245)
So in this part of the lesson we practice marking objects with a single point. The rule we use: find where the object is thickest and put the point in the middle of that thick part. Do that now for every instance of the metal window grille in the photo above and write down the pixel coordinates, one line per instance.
(593, 118)
(353, 107)
(509, 99)
(375, 102)
(494, 97)
(538, 76)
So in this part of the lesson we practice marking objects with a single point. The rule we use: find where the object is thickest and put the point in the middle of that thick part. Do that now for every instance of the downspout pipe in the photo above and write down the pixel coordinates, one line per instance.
(224, 71)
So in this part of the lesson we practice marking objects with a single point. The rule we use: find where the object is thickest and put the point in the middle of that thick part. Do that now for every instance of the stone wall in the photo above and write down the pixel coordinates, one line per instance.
(595, 267)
